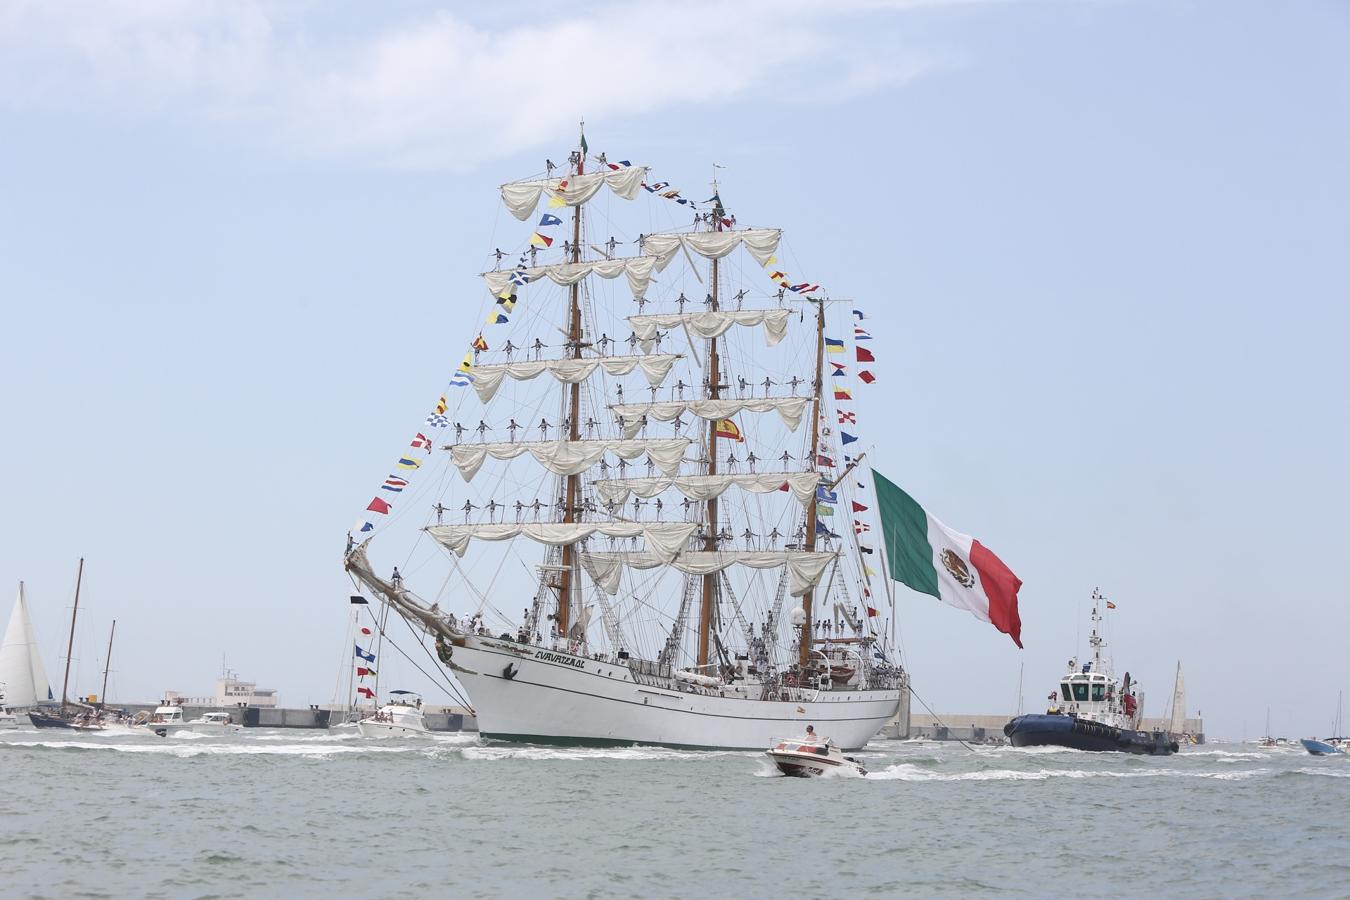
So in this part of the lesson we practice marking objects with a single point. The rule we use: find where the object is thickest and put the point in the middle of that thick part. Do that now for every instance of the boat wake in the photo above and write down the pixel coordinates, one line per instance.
(909, 772)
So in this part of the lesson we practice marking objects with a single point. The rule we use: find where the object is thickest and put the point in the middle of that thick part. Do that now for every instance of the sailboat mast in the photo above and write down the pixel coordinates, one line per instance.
(808, 599)
(709, 599)
(70, 643)
(107, 662)
(574, 421)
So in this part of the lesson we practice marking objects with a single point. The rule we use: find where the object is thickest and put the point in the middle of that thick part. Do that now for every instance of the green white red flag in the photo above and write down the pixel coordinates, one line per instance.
(928, 557)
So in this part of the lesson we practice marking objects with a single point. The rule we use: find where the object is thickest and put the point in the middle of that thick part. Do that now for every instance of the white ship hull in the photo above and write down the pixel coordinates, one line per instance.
(531, 693)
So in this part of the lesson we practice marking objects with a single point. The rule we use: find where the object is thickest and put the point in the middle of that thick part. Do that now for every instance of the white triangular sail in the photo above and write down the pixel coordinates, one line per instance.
(789, 409)
(663, 539)
(488, 378)
(21, 671)
(571, 457)
(1178, 723)
(804, 568)
(711, 324)
(801, 485)
(522, 197)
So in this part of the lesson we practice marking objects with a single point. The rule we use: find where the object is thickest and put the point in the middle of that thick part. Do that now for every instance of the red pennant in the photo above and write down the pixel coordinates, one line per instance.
(858, 507)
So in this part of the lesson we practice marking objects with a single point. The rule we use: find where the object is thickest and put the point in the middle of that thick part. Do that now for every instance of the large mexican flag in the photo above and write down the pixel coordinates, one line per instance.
(927, 556)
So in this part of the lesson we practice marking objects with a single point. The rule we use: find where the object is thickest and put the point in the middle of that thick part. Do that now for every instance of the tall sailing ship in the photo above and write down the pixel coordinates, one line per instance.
(696, 493)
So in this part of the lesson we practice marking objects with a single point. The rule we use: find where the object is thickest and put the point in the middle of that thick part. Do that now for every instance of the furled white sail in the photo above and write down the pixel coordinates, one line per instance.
(801, 485)
(488, 378)
(522, 197)
(805, 568)
(21, 670)
(705, 325)
(663, 539)
(571, 457)
(760, 243)
(638, 269)
(789, 409)
(658, 251)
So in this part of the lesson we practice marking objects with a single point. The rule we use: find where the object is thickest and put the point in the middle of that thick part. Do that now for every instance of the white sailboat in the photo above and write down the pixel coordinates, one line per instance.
(1177, 723)
(695, 648)
(23, 679)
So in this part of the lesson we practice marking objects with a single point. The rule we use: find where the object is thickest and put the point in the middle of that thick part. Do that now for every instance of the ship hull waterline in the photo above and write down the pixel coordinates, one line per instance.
(523, 693)
(1081, 734)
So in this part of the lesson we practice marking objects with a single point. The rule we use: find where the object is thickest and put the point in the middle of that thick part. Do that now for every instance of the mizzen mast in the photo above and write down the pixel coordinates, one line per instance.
(808, 633)
(569, 575)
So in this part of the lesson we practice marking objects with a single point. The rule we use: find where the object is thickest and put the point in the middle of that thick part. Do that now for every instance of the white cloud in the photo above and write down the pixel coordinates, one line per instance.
(436, 91)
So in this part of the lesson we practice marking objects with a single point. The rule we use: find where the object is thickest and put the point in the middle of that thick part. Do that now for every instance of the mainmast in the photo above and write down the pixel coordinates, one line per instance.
(70, 643)
(710, 541)
(107, 662)
(569, 562)
(808, 633)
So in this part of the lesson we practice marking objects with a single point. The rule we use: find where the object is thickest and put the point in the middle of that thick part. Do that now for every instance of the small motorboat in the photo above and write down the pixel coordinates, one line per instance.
(811, 755)
(214, 723)
(401, 717)
(1325, 748)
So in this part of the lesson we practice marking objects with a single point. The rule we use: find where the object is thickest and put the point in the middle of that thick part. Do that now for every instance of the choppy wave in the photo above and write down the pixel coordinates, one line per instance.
(909, 772)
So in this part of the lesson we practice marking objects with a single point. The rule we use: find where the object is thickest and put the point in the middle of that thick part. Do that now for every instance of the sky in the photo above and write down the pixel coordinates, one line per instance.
(1102, 245)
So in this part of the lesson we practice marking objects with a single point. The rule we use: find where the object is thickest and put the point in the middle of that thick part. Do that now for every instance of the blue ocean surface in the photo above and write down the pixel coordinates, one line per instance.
(312, 814)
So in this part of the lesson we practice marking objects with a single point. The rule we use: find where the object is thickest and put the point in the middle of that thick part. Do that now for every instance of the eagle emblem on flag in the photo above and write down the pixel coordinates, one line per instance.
(957, 567)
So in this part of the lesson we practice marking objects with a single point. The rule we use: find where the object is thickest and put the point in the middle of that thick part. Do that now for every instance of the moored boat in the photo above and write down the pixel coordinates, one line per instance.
(1091, 710)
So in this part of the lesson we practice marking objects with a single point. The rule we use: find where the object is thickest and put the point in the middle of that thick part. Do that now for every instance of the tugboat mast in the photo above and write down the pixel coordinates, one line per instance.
(1095, 640)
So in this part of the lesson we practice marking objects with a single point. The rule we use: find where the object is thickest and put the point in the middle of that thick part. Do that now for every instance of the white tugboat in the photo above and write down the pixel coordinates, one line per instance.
(731, 612)
(400, 717)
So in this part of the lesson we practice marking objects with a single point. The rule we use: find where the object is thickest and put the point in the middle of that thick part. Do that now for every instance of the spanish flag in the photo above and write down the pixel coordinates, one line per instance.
(727, 429)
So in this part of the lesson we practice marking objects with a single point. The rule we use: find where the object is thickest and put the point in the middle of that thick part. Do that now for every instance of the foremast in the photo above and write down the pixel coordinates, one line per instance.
(709, 598)
(569, 575)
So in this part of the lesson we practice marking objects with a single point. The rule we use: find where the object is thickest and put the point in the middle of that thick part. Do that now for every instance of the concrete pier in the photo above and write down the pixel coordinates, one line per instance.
(439, 718)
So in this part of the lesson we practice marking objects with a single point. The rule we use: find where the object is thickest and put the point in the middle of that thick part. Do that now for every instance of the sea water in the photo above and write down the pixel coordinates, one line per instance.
(297, 813)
